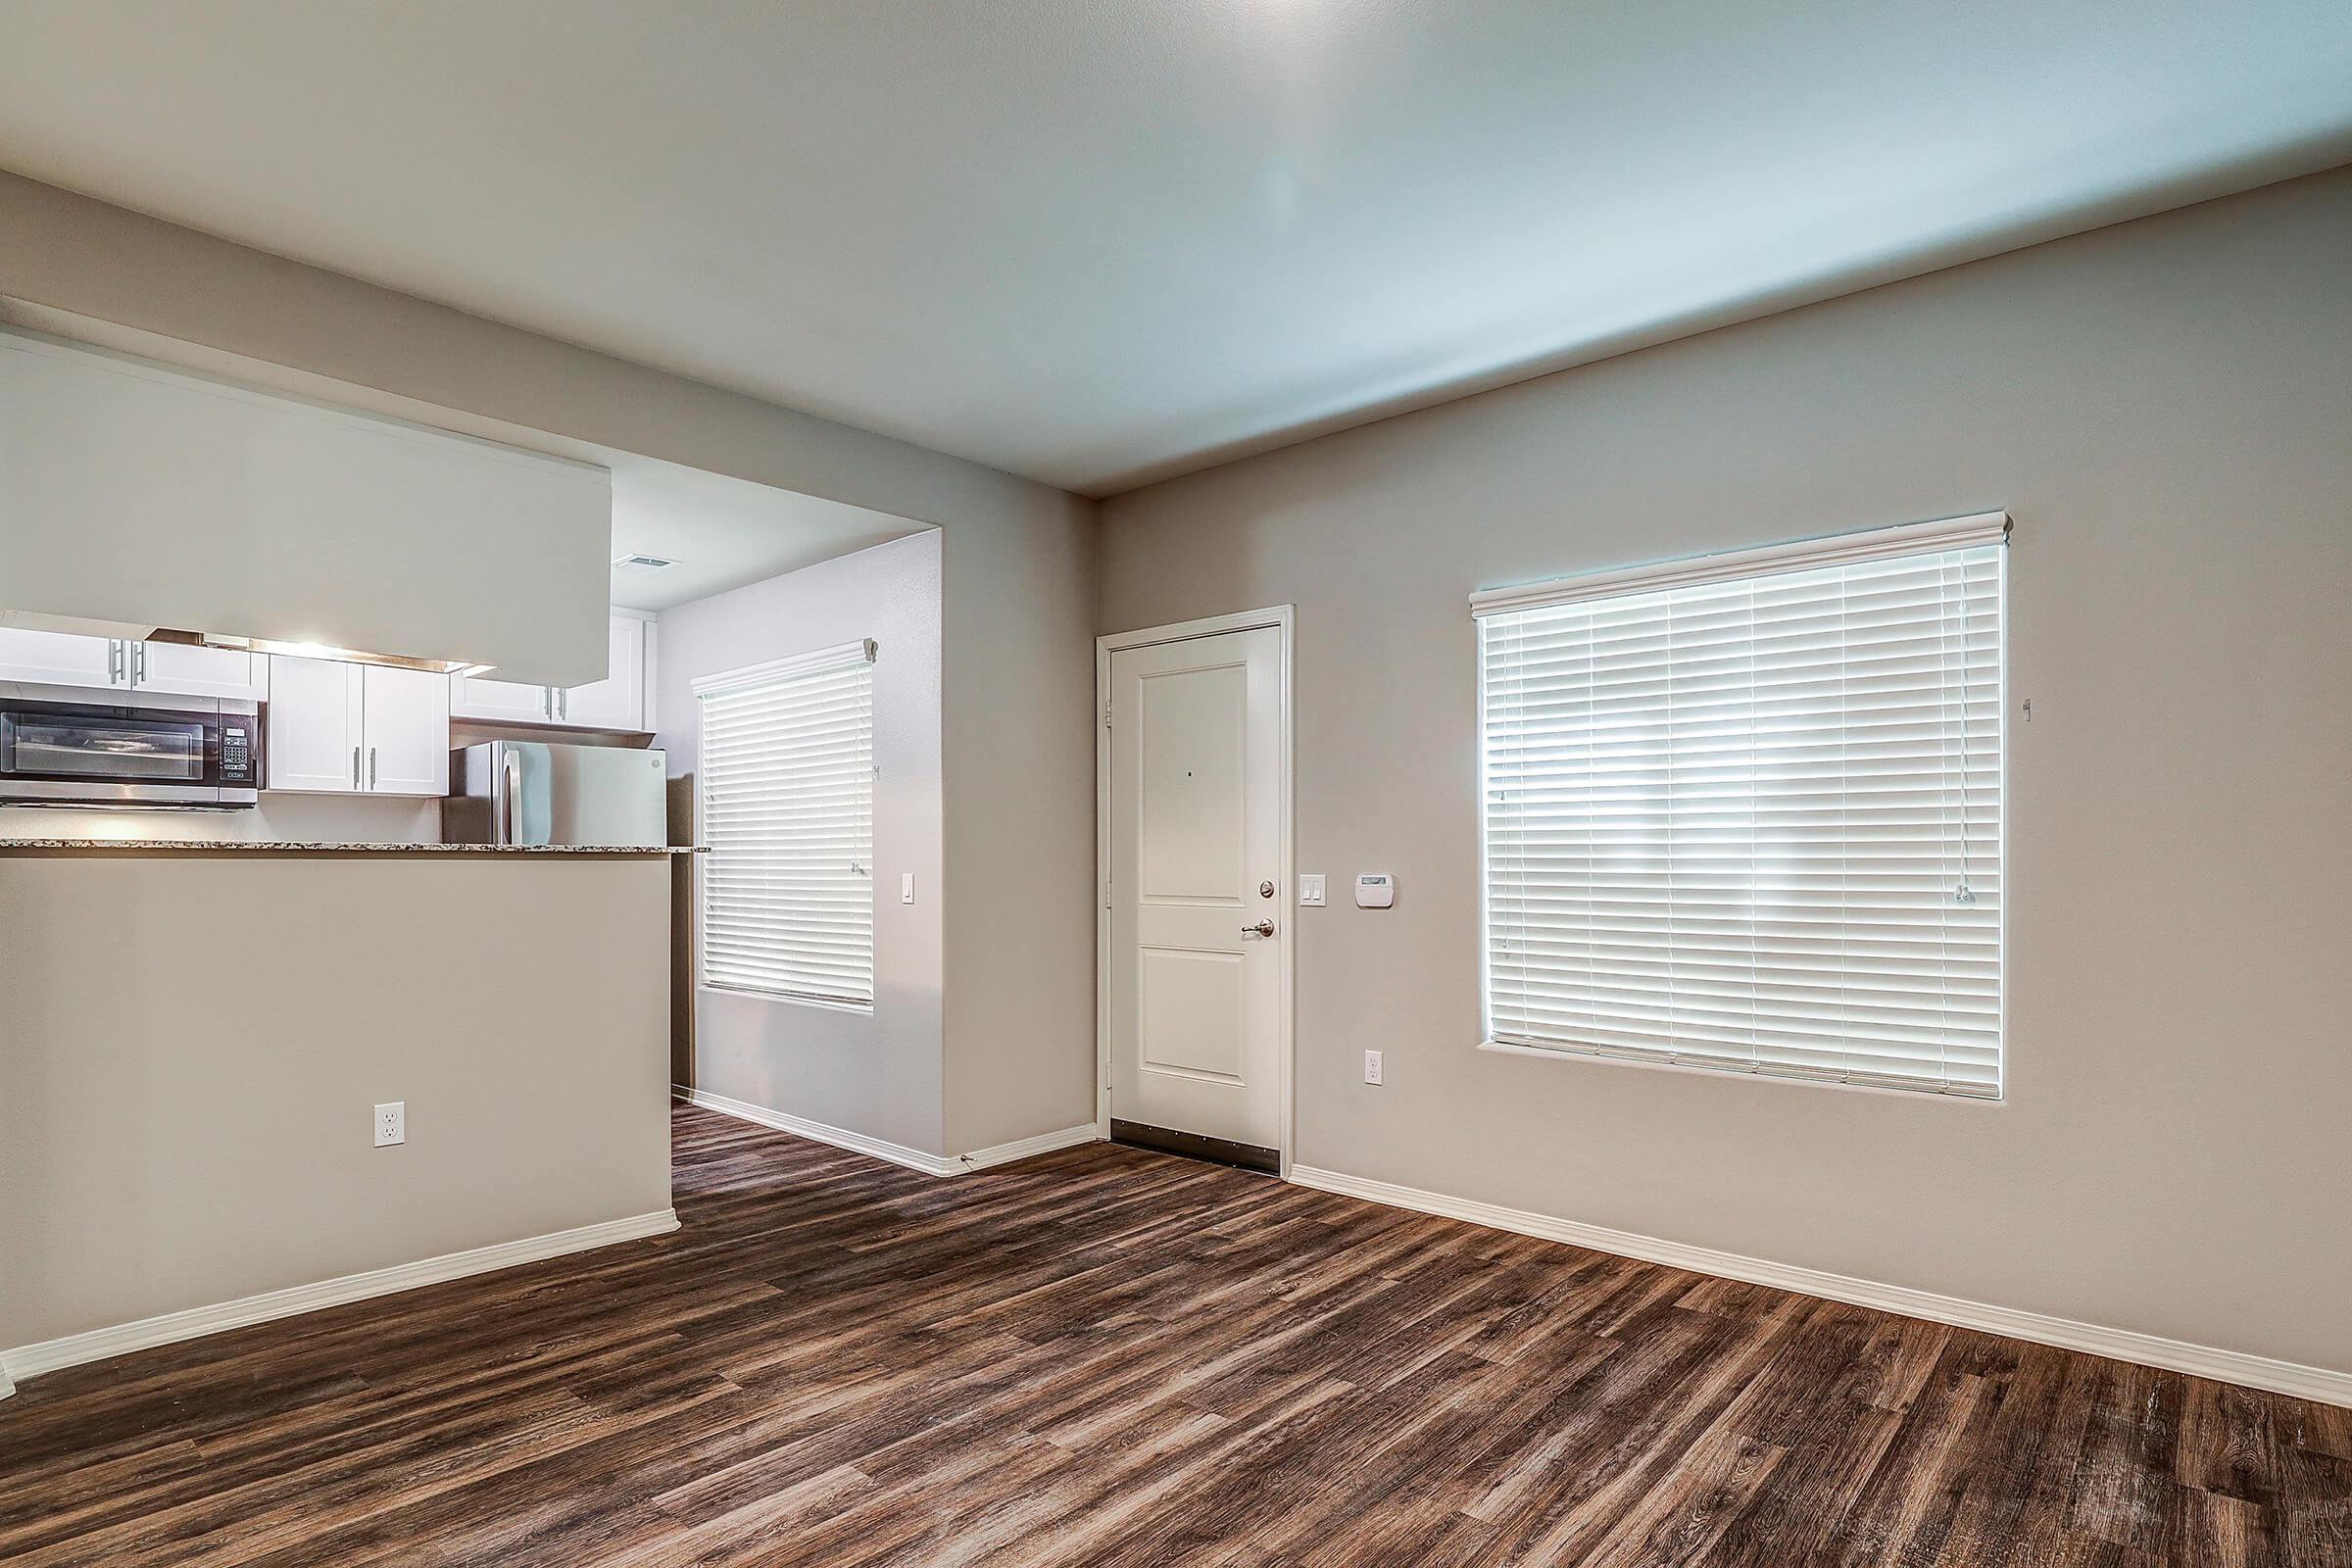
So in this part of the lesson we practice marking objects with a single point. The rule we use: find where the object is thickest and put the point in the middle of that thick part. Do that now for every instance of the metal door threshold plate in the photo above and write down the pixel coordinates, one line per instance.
(1195, 1145)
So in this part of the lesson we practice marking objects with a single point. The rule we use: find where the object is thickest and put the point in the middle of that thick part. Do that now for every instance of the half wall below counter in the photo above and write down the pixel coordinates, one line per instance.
(193, 1039)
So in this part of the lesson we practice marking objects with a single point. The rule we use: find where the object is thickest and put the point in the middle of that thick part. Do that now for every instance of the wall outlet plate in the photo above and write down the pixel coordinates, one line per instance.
(1371, 1066)
(1311, 891)
(391, 1124)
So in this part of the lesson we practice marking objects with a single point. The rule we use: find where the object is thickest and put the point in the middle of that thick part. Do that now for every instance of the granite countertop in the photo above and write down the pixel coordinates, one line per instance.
(285, 847)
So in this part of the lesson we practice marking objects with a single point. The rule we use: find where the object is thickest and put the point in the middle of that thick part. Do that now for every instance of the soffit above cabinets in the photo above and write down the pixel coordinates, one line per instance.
(133, 493)
(720, 531)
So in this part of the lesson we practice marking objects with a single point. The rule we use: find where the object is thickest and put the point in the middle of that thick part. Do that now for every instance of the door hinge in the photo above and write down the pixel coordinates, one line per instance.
(1106, 715)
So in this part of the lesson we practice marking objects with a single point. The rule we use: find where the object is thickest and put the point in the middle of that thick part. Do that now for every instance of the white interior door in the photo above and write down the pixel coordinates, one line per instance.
(1200, 905)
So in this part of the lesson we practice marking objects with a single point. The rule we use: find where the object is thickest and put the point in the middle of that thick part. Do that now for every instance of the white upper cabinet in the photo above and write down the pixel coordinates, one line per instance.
(195, 672)
(403, 726)
(60, 658)
(311, 738)
(619, 702)
(339, 728)
(498, 701)
(69, 659)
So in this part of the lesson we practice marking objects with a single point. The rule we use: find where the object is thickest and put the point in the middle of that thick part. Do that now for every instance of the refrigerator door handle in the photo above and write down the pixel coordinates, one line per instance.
(510, 791)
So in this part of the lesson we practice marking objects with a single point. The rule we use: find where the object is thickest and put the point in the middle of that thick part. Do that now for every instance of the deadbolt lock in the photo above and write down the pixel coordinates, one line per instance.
(1265, 890)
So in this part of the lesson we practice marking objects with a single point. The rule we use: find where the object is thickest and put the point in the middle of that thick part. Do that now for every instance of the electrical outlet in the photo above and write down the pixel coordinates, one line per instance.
(1310, 892)
(1371, 1066)
(392, 1123)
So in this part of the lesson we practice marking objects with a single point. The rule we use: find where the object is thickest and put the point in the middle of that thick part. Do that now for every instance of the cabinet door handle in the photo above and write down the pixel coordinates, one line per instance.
(371, 768)
(139, 664)
(355, 768)
(114, 661)
(563, 703)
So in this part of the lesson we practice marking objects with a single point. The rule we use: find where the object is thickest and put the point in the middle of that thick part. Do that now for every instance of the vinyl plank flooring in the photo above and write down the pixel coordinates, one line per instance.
(1105, 1357)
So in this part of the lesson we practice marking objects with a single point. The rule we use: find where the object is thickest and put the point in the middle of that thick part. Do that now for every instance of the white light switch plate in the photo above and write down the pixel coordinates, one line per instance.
(392, 1123)
(1310, 892)
(906, 887)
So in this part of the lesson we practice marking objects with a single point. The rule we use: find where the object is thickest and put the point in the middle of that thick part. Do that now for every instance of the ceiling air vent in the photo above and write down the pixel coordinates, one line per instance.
(642, 562)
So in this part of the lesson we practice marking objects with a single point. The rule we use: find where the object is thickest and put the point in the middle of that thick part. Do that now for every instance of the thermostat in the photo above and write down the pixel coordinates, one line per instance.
(1375, 890)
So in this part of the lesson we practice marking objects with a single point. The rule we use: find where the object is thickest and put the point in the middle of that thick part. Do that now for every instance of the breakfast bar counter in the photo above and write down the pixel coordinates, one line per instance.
(184, 847)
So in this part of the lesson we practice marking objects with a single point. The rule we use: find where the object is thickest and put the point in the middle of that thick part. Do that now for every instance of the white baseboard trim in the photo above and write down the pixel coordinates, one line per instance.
(1024, 1147)
(2121, 1344)
(49, 1355)
(896, 1153)
(800, 1126)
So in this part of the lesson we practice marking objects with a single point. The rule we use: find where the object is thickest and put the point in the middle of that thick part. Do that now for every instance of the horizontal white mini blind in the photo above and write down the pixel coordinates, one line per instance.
(1745, 812)
(787, 804)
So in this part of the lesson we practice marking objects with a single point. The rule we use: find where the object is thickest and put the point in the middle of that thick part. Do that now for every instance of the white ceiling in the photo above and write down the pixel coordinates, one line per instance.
(1096, 241)
(723, 532)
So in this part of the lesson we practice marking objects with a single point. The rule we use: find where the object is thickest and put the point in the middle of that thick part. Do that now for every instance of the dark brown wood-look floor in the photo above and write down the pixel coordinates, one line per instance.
(1107, 1357)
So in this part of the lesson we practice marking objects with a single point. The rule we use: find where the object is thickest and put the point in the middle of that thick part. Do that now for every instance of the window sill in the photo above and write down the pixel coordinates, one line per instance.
(1509, 1048)
(829, 1004)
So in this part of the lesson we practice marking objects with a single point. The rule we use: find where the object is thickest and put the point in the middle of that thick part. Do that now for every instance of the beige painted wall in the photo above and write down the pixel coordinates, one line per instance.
(1019, 695)
(1019, 583)
(2166, 409)
(874, 1073)
(194, 1045)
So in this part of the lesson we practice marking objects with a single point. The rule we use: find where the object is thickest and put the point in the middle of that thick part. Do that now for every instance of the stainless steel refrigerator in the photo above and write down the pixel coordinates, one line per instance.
(533, 792)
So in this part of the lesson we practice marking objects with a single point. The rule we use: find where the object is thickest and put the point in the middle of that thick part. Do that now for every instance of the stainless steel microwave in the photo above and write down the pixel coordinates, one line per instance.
(61, 746)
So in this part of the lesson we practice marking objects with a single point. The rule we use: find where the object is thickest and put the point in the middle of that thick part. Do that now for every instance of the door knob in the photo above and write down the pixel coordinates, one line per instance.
(1263, 928)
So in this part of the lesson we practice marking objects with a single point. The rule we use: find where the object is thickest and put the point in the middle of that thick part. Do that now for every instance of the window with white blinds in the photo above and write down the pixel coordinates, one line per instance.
(787, 815)
(1744, 812)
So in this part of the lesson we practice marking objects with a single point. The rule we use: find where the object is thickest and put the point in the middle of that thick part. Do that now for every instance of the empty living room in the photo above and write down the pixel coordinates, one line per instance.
(1207, 784)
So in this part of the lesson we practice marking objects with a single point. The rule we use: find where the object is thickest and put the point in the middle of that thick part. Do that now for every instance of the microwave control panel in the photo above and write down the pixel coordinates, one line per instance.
(236, 754)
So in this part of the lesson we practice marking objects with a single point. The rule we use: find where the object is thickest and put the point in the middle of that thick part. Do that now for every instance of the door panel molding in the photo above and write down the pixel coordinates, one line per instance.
(1279, 618)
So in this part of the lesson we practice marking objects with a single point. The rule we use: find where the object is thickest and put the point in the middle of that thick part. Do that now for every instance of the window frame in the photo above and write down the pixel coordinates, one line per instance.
(1924, 538)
